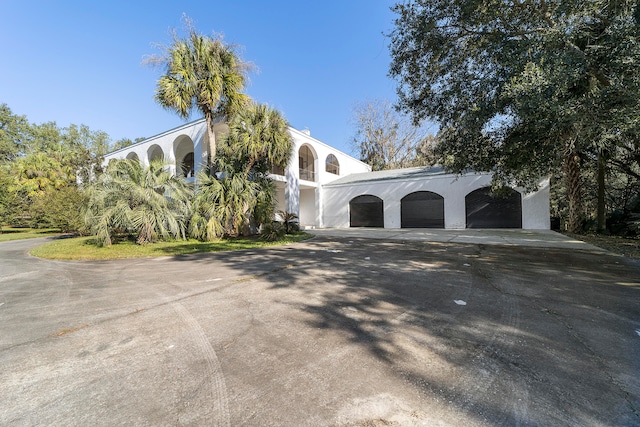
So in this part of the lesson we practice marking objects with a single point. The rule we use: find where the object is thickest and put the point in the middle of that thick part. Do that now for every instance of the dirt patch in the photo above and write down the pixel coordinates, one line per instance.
(618, 245)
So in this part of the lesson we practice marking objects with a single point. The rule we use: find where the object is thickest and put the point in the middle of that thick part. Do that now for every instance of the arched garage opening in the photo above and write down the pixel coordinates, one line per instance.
(366, 211)
(422, 209)
(485, 210)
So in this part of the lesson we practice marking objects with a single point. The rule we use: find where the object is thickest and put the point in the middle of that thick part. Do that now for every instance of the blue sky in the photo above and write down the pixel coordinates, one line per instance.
(80, 62)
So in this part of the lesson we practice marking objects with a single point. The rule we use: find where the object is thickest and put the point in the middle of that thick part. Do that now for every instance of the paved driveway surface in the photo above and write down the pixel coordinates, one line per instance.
(330, 332)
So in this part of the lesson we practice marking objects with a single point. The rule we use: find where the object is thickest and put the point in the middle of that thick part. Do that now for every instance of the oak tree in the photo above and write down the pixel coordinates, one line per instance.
(523, 88)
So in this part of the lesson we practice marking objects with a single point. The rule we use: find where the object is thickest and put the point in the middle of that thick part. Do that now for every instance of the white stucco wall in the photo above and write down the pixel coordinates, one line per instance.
(536, 214)
(195, 131)
(453, 188)
(348, 164)
(293, 195)
(304, 198)
(308, 210)
(323, 204)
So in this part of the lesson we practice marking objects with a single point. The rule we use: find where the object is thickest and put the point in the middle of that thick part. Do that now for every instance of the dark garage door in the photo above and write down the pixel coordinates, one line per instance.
(485, 210)
(422, 209)
(366, 211)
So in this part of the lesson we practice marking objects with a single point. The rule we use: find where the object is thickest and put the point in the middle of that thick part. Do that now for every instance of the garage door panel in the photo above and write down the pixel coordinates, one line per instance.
(366, 211)
(422, 209)
(484, 210)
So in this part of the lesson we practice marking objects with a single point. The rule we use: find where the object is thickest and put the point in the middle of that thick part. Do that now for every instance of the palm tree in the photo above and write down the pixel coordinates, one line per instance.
(257, 141)
(241, 196)
(146, 201)
(222, 206)
(204, 74)
(258, 138)
(290, 220)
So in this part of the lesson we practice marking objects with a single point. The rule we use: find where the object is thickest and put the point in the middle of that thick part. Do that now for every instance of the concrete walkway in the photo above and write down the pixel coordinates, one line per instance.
(509, 237)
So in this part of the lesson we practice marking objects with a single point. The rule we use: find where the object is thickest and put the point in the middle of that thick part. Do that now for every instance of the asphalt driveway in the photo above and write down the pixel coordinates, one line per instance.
(336, 331)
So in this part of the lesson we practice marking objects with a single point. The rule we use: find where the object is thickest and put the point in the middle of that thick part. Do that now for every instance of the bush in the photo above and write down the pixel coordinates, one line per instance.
(625, 222)
(59, 208)
(290, 221)
(273, 231)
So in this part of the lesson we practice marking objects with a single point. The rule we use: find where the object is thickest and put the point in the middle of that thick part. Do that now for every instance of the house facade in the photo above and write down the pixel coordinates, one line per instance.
(328, 188)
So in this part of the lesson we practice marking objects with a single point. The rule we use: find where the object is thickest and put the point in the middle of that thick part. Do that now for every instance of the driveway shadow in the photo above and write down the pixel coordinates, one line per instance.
(509, 335)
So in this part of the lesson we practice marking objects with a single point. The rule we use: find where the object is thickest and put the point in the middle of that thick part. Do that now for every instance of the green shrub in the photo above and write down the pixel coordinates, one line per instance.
(273, 231)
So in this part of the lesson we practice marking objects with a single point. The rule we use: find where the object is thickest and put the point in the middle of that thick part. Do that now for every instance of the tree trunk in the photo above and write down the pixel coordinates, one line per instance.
(212, 141)
(602, 222)
(574, 187)
(145, 234)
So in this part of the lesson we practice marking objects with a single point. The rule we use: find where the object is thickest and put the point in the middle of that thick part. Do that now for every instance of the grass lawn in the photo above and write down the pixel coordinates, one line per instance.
(13, 233)
(84, 248)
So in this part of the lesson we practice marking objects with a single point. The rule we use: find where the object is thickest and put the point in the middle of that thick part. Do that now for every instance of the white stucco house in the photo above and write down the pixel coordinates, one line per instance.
(328, 188)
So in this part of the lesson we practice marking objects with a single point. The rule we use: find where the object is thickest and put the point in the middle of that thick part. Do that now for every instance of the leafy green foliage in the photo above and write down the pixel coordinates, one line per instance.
(202, 74)
(61, 209)
(222, 207)
(273, 231)
(85, 150)
(11, 202)
(37, 173)
(41, 168)
(41, 192)
(147, 202)
(525, 88)
(286, 224)
(239, 199)
(125, 142)
(14, 134)
(121, 143)
(289, 220)
(258, 140)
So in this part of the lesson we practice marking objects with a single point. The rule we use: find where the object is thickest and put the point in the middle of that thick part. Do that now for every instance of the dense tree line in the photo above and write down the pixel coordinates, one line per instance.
(42, 170)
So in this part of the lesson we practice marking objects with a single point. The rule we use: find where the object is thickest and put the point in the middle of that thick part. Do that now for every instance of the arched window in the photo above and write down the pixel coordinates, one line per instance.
(332, 165)
(366, 211)
(306, 162)
(486, 210)
(183, 153)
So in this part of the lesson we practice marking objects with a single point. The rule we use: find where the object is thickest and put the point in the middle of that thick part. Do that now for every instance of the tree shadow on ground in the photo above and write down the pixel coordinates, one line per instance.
(505, 335)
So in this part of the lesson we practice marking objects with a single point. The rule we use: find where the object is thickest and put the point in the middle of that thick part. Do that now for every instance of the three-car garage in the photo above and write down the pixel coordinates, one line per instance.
(428, 198)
